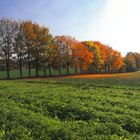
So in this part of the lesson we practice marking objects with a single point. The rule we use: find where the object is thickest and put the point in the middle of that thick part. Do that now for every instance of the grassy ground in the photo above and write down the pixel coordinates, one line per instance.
(16, 73)
(102, 107)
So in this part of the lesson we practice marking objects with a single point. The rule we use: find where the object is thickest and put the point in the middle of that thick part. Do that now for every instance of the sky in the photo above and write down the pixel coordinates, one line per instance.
(112, 22)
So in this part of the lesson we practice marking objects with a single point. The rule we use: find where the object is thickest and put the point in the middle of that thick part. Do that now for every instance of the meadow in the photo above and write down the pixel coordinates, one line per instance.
(84, 107)
(15, 74)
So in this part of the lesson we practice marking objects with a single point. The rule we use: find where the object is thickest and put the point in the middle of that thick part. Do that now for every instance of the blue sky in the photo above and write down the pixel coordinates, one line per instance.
(114, 22)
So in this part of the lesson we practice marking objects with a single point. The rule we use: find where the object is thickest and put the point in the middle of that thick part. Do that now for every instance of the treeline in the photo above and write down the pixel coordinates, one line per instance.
(28, 45)
(132, 61)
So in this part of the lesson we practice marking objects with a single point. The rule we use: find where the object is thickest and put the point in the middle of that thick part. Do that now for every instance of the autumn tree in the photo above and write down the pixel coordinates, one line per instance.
(32, 44)
(36, 47)
(116, 61)
(64, 45)
(97, 62)
(137, 59)
(29, 41)
(132, 61)
(103, 53)
(113, 59)
(105, 58)
(81, 57)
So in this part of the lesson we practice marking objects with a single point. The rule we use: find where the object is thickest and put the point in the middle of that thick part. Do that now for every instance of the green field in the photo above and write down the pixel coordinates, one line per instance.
(99, 108)
(16, 73)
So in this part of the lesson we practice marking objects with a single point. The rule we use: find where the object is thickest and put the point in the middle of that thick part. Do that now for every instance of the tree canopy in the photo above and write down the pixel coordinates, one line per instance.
(24, 44)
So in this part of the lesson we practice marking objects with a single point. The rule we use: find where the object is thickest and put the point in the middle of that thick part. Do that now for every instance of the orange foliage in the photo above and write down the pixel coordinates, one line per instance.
(81, 56)
(102, 48)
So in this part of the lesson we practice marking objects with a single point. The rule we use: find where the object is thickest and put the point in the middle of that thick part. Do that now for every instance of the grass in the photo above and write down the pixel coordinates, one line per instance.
(96, 107)
(16, 73)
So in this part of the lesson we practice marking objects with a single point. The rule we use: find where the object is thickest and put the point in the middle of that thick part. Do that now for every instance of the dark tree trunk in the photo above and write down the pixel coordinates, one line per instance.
(50, 73)
(20, 66)
(36, 66)
(81, 71)
(29, 64)
(96, 70)
(36, 69)
(60, 71)
(108, 68)
(7, 68)
(105, 69)
(29, 69)
(44, 72)
(76, 71)
(68, 69)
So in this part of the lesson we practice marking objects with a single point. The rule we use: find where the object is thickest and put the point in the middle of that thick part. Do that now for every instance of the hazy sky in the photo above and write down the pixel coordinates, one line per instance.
(113, 22)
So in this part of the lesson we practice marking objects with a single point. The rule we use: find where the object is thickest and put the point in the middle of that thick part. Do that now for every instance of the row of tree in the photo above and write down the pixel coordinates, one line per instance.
(132, 61)
(28, 45)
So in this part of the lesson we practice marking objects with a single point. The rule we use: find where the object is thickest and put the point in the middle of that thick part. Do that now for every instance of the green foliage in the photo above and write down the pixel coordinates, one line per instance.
(71, 109)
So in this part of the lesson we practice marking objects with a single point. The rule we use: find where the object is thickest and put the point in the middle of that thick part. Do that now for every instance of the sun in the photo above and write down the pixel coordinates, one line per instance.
(120, 24)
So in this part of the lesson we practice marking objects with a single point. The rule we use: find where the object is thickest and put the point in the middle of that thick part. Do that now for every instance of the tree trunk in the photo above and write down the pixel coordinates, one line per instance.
(67, 69)
(76, 71)
(95, 70)
(59, 71)
(81, 71)
(7, 68)
(50, 73)
(20, 67)
(29, 65)
(104, 70)
(44, 71)
(36, 69)
(29, 69)
(108, 68)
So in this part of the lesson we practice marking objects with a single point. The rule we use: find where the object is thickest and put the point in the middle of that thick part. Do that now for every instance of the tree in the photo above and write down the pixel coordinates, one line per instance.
(64, 45)
(19, 47)
(113, 61)
(116, 61)
(104, 57)
(29, 41)
(137, 59)
(97, 63)
(81, 57)
(132, 61)
(102, 48)
(49, 51)
(36, 47)
(32, 44)
(8, 30)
